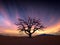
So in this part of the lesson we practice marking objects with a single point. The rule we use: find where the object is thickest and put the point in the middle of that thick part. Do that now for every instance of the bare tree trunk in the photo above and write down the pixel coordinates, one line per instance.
(30, 35)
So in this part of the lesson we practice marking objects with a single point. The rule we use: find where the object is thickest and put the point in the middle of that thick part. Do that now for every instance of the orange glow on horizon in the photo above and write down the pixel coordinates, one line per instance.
(49, 30)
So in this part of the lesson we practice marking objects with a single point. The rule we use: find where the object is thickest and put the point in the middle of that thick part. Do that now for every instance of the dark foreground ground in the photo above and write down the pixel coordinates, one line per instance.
(38, 40)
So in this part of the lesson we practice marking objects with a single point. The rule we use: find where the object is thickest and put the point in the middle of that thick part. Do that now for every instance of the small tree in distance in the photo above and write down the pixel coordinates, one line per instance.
(29, 26)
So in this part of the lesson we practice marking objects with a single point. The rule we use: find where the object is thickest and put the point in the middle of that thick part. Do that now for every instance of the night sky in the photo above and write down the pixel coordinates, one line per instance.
(47, 11)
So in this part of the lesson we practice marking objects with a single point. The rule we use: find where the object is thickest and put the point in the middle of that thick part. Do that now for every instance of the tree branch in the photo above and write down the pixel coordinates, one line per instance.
(33, 31)
(26, 32)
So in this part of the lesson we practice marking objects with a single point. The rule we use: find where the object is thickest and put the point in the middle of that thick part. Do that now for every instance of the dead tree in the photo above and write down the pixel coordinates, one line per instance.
(29, 26)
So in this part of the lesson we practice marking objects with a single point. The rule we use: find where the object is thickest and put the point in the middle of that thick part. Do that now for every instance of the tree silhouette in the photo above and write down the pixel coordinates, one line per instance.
(29, 26)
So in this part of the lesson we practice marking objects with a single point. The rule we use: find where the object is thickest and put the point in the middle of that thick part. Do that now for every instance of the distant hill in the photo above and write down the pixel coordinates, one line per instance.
(47, 35)
(37, 40)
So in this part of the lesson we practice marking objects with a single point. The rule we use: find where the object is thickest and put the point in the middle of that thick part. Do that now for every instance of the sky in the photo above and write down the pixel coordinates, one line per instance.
(47, 11)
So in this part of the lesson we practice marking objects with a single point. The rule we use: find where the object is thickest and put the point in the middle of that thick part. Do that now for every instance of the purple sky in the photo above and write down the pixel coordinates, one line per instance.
(47, 11)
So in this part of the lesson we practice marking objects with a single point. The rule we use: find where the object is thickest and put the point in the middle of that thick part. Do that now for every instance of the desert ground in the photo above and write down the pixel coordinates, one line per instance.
(37, 40)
